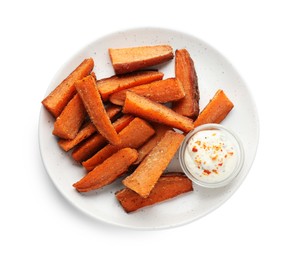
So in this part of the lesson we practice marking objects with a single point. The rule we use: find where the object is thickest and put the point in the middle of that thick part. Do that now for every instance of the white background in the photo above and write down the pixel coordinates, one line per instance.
(38, 38)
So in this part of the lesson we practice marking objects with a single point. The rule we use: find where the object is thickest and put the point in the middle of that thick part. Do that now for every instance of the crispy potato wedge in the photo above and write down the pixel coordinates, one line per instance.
(108, 86)
(168, 186)
(161, 91)
(126, 60)
(216, 110)
(145, 149)
(91, 98)
(87, 130)
(186, 73)
(95, 142)
(144, 178)
(68, 123)
(62, 94)
(134, 135)
(108, 171)
(155, 112)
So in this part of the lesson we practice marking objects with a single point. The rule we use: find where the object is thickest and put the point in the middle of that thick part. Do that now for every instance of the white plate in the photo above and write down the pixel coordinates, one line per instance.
(214, 72)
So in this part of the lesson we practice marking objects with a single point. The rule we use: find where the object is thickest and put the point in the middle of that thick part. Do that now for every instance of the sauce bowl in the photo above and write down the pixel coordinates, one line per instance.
(211, 155)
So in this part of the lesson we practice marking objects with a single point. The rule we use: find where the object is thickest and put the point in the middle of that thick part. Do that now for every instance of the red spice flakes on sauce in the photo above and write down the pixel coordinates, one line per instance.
(194, 149)
(207, 172)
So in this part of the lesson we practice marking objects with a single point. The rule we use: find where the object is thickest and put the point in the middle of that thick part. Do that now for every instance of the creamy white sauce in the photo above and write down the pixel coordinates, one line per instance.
(211, 155)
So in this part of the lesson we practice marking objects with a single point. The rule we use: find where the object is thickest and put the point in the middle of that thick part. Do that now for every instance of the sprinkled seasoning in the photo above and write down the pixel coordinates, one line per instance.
(210, 155)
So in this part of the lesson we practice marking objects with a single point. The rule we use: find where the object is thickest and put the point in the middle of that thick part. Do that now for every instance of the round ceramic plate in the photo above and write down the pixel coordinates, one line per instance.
(214, 72)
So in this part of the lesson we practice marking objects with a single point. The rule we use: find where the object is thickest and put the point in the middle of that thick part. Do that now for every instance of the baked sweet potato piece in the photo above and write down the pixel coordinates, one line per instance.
(126, 60)
(68, 123)
(161, 91)
(108, 171)
(108, 86)
(216, 110)
(93, 74)
(95, 142)
(186, 73)
(62, 94)
(168, 186)
(133, 136)
(155, 112)
(145, 149)
(144, 178)
(87, 130)
(91, 98)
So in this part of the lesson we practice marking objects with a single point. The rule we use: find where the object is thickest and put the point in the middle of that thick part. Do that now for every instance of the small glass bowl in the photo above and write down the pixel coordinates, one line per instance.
(239, 152)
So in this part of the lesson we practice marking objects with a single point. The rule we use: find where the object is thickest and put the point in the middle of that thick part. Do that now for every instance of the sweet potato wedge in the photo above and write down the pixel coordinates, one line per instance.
(161, 91)
(153, 111)
(145, 149)
(68, 123)
(62, 94)
(168, 186)
(95, 142)
(90, 96)
(216, 110)
(116, 83)
(93, 74)
(144, 178)
(131, 59)
(133, 136)
(86, 130)
(186, 73)
(108, 171)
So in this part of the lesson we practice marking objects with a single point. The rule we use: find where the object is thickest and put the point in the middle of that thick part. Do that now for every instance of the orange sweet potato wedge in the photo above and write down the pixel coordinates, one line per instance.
(186, 73)
(168, 186)
(161, 91)
(87, 130)
(216, 110)
(93, 74)
(133, 136)
(68, 123)
(153, 111)
(116, 83)
(144, 178)
(145, 149)
(108, 171)
(126, 60)
(62, 94)
(95, 142)
(91, 98)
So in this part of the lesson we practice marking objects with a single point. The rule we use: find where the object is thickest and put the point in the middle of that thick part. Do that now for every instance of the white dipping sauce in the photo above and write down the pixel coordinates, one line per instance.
(211, 156)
